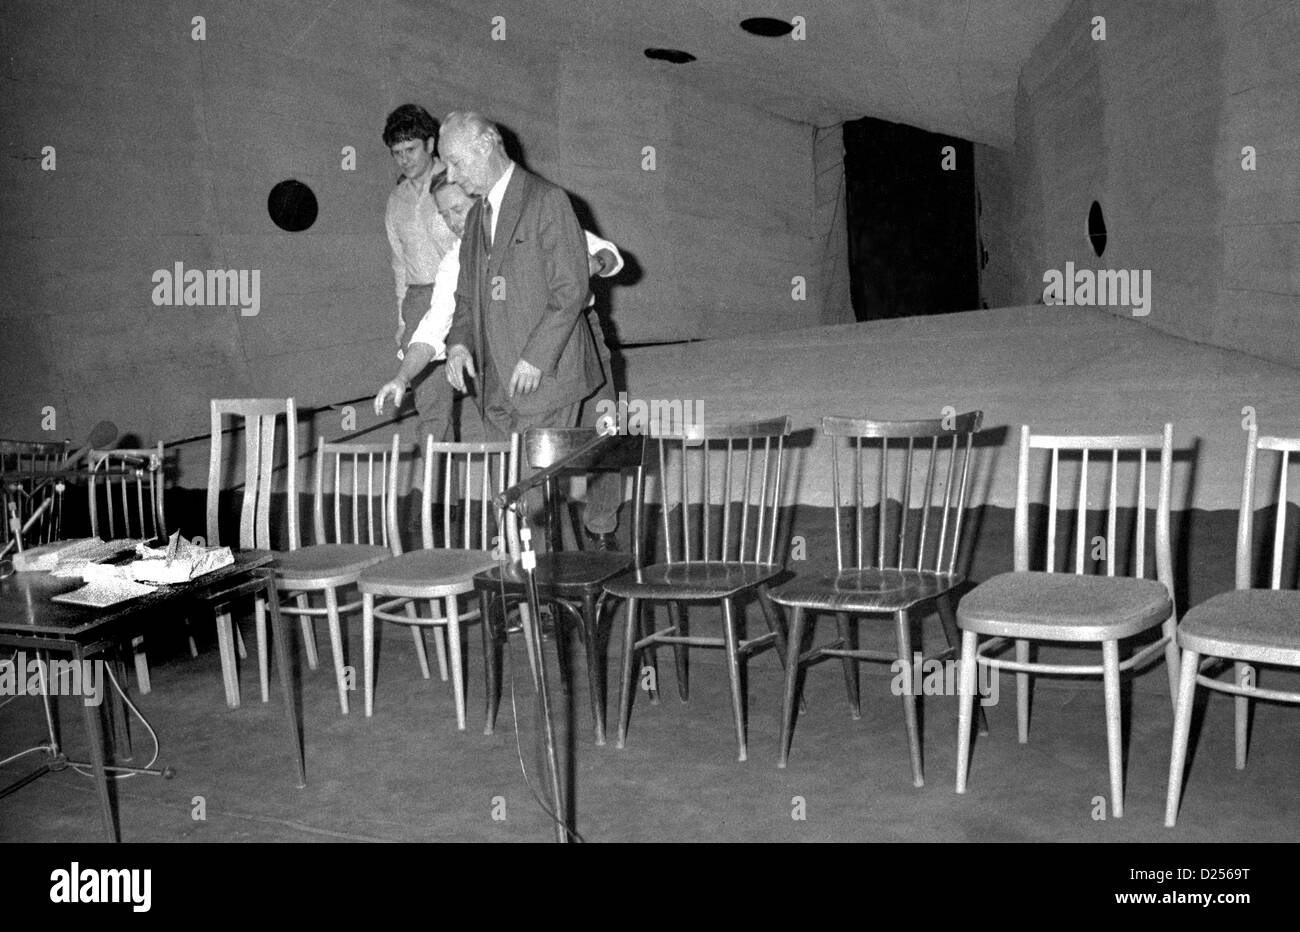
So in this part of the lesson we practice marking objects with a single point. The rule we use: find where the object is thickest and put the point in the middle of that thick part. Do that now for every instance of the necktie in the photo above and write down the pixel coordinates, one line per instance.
(487, 224)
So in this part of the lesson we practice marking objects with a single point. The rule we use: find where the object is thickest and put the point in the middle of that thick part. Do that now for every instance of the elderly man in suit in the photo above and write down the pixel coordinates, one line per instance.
(519, 329)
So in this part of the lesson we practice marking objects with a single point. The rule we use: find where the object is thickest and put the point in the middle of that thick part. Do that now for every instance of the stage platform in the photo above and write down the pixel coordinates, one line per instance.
(1057, 369)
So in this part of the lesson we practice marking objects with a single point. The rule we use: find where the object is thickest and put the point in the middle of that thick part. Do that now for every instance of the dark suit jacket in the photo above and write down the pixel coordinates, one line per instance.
(525, 299)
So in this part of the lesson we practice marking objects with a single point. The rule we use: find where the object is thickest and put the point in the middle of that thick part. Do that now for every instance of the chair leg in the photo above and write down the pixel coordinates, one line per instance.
(1022, 694)
(189, 634)
(794, 641)
(491, 661)
(367, 650)
(965, 704)
(733, 674)
(308, 632)
(651, 655)
(141, 666)
(417, 635)
(1114, 725)
(848, 631)
(439, 639)
(336, 645)
(774, 623)
(681, 652)
(951, 634)
(630, 632)
(229, 671)
(1182, 727)
(1242, 673)
(263, 655)
(1170, 630)
(904, 627)
(239, 643)
(453, 658)
(594, 643)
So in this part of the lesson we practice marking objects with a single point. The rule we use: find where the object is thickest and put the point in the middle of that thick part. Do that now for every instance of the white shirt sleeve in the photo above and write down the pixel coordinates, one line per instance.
(436, 323)
(595, 244)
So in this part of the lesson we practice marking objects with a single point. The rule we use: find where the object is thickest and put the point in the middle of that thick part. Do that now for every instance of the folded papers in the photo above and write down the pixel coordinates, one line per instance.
(180, 561)
(69, 553)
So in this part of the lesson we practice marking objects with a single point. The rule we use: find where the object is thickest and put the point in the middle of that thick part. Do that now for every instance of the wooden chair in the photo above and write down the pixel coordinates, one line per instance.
(911, 565)
(711, 567)
(26, 488)
(124, 495)
(260, 416)
(1248, 626)
(441, 574)
(573, 581)
(1077, 607)
(360, 539)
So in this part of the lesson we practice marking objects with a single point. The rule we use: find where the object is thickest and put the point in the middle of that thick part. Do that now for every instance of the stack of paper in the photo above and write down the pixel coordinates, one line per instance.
(105, 592)
(58, 553)
(179, 562)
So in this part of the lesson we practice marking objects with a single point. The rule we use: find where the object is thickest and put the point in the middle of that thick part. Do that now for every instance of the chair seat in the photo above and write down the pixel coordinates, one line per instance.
(1064, 606)
(559, 574)
(1261, 625)
(865, 590)
(426, 574)
(326, 562)
(690, 580)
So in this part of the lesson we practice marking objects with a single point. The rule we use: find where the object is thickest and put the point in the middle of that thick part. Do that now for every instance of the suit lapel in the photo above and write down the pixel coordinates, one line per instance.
(512, 205)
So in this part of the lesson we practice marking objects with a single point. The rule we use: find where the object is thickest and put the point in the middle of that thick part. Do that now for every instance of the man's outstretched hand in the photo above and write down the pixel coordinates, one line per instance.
(396, 389)
(459, 364)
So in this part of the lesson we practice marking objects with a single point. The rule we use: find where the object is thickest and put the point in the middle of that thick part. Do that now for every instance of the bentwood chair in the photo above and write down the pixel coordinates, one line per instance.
(1080, 607)
(124, 493)
(1248, 626)
(472, 474)
(356, 472)
(27, 487)
(573, 581)
(705, 562)
(906, 563)
(260, 416)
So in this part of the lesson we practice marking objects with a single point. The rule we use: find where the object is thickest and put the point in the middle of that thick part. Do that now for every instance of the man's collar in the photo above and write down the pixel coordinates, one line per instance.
(498, 191)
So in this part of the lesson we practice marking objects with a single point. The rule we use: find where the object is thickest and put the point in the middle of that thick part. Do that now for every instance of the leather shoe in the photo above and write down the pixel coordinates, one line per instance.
(607, 542)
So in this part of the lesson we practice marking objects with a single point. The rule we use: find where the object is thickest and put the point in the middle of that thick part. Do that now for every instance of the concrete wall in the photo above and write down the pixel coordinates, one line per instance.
(1151, 123)
(166, 148)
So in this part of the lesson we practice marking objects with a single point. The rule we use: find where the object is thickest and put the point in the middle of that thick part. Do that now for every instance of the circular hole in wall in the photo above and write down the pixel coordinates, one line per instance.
(292, 206)
(1096, 229)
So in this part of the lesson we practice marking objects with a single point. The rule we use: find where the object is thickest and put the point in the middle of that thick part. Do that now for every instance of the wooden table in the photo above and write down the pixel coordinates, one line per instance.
(29, 620)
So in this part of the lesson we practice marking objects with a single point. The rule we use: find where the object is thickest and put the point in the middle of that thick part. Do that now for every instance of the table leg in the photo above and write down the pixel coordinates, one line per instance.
(279, 635)
(95, 731)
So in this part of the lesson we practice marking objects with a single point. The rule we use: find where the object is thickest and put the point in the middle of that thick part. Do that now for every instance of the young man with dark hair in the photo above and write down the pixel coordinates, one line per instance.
(419, 239)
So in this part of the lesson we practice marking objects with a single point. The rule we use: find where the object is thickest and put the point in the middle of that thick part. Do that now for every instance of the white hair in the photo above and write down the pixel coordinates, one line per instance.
(473, 123)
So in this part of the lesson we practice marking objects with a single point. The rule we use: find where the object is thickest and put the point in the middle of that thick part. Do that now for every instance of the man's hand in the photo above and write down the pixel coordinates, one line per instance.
(400, 336)
(525, 379)
(459, 364)
(396, 389)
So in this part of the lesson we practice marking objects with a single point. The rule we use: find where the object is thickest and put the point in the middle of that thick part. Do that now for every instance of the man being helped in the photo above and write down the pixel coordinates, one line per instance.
(427, 344)
(420, 239)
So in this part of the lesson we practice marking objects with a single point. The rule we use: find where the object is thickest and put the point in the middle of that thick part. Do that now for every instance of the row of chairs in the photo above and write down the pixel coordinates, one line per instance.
(899, 552)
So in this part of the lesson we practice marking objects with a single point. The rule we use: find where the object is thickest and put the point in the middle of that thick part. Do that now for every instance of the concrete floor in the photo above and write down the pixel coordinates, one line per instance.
(407, 774)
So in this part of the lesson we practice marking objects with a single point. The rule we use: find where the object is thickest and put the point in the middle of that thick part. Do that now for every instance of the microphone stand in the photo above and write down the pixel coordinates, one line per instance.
(513, 498)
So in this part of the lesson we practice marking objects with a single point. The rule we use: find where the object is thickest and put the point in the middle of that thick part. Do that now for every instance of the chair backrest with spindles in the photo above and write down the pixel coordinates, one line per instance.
(348, 475)
(24, 462)
(1245, 575)
(1128, 457)
(260, 417)
(131, 482)
(930, 541)
(464, 478)
(545, 446)
(751, 457)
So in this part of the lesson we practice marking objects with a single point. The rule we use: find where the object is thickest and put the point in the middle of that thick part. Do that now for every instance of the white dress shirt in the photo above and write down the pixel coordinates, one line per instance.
(496, 194)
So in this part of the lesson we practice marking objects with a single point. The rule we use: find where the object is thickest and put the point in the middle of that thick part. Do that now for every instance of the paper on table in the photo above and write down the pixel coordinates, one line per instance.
(104, 592)
(179, 562)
